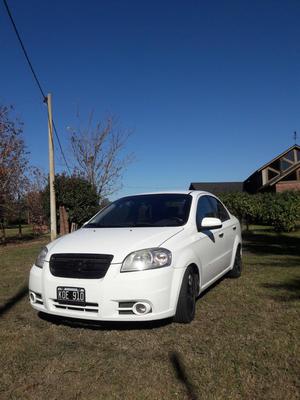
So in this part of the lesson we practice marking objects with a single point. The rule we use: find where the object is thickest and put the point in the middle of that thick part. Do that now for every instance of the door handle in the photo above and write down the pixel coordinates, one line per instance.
(234, 228)
(221, 234)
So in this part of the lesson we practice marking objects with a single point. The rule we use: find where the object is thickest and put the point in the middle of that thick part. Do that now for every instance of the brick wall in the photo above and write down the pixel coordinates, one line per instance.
(288, 185)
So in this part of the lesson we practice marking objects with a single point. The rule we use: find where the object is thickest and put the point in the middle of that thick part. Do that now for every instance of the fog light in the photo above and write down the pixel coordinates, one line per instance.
(32, 297)
(141, 308)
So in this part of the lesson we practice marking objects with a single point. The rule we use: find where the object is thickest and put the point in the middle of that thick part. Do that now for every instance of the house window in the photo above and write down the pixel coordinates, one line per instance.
(284, 165)
(290, 156)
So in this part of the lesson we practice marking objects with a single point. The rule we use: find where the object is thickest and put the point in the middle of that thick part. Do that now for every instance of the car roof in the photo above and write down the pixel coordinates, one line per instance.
(192, 192)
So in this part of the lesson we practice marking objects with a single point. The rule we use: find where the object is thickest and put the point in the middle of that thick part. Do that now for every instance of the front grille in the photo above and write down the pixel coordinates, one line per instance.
(81, 266)
(39, 299)
(126, 312)
(125, 307)
(87, 308)
(126, 304)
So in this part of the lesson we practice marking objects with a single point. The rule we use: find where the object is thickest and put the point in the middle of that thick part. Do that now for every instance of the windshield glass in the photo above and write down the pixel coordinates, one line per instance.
(152, 210)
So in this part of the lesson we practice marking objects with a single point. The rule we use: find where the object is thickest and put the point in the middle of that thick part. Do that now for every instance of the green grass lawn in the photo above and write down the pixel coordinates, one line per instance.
(12, 234)
(243, 344)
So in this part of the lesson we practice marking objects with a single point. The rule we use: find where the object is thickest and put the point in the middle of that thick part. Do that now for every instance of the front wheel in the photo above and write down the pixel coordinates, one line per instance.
(185, 311)
(237, 266)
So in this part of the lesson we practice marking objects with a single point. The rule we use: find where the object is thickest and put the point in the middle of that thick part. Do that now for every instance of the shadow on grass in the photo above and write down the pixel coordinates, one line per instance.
(285, 291)
(275, 261)
(13, 300)
(182, 376)
(103, 325)
(211, 287)
(260, 243)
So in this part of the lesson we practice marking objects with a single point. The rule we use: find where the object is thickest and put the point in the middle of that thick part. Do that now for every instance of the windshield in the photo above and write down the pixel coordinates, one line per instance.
(153, 210)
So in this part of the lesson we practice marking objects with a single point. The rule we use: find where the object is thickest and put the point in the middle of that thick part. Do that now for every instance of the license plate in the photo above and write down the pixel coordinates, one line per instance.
(71, 295)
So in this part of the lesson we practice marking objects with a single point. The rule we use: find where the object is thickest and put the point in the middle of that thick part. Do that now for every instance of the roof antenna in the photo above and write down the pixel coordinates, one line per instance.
(295, 135)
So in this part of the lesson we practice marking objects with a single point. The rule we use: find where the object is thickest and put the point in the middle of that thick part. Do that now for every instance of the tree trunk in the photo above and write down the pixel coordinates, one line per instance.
(3, 233)
(63, 220)
(20, 229)
(247, 224)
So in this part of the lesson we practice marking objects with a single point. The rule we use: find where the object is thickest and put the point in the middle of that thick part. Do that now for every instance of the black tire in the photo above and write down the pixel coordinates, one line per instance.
(185, 311)
(237, 266)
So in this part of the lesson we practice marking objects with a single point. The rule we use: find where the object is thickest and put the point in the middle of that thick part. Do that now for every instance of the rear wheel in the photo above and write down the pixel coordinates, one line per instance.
(237, 266)
(185, 311)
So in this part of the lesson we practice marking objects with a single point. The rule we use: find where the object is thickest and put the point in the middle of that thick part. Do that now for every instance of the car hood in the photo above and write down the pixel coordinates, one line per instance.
(116, 241)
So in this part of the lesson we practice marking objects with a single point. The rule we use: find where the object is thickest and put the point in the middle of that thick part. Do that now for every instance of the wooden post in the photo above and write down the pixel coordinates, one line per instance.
(51, 171)
(64, 220)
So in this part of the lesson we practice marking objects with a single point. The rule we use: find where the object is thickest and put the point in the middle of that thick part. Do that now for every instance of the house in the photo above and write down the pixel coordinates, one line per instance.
(278, 175)
(217, 187)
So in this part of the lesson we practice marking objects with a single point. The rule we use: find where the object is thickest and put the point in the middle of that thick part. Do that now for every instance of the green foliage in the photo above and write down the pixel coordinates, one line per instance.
(244, 206)
(280, 210)
(79, 197)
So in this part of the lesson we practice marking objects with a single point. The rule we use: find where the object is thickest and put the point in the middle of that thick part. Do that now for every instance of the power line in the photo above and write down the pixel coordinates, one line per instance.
(61, 150)
(23, 48)
(35, 77)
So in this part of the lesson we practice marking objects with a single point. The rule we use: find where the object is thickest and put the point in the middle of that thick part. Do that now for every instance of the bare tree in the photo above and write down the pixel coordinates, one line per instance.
(99, 154)
(13, 163)
(34, 198)
(13, 157)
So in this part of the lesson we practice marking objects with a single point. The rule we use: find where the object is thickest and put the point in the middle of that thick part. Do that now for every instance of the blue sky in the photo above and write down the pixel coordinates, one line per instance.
(210, 89)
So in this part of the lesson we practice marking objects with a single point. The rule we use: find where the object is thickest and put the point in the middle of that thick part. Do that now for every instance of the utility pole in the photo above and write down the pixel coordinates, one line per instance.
(51, 170)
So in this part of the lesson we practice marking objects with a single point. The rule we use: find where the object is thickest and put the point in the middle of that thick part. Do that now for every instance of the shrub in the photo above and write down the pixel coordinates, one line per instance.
(280, 210)
(79, 197)
(244, 206)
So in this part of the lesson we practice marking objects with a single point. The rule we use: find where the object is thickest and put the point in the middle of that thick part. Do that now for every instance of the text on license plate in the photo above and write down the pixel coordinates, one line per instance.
(70, 295)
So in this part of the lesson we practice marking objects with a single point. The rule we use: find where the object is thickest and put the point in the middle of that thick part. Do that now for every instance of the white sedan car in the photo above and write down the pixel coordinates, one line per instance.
(144, 257)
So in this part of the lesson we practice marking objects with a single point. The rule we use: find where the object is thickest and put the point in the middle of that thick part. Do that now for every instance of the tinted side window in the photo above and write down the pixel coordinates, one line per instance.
(224, 216)
(219, 209)
(204, 209)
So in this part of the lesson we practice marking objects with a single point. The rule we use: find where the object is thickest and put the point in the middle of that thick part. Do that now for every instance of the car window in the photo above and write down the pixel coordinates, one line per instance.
(219, 209)
(204, 209)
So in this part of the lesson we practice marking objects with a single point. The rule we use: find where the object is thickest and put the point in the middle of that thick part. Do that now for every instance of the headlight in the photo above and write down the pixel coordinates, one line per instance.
(39, 262)
(147, 259)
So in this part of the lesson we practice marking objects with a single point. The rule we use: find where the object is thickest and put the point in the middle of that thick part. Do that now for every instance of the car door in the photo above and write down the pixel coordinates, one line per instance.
(208, 244)
(226, 234)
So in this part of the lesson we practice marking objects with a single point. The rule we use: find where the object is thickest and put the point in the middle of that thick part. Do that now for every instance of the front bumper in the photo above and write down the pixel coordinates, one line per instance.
(106, 297)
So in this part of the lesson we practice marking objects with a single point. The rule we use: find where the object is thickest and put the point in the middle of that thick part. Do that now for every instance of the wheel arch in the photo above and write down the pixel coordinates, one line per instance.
(179, 278)
(237, 245)
(197, 272)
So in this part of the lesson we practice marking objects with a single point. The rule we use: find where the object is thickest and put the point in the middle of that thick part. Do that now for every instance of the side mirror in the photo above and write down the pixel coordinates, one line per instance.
(211, 223)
